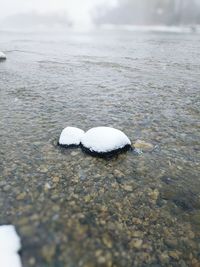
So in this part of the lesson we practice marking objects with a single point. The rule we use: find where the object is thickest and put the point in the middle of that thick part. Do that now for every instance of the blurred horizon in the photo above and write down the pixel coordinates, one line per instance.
(68, 14)
(152, 12)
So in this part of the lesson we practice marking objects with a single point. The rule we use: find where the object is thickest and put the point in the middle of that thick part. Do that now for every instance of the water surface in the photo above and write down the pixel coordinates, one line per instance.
(71, 209)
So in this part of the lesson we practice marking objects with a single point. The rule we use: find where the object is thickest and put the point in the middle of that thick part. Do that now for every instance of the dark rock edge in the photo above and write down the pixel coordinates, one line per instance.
(109, 154)
(68, 146)
(106, 154)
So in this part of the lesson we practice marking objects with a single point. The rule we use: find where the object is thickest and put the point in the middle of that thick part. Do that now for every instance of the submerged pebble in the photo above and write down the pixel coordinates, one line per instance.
(142, 145)
(136, 243)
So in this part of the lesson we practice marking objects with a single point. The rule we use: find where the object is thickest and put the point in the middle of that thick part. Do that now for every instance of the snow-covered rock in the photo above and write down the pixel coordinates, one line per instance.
(9, 240)
(105, 141)
(2, 56)
(71, 136)
(10, 244)
(10, 260)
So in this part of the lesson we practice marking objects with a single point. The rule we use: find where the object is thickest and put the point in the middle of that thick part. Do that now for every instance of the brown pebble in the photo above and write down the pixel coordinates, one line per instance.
(56, 179)
(139, 144)
(48, 252)
(101, 260)
(127, 188)
(171, 242)
(164, 257)
(118, 173)
(107, 241)
(136, 243)
(21, 196)
(154, 194)
(175, 254)
(32, 261)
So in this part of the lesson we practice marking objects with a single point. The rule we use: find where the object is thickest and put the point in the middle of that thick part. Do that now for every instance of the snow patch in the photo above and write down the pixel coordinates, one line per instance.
(2, 56)
(71, 136)
(9, 246)
(104, 140)
(10, 260)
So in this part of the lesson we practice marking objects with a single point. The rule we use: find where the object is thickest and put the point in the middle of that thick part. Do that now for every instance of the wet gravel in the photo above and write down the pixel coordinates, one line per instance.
(71, 209)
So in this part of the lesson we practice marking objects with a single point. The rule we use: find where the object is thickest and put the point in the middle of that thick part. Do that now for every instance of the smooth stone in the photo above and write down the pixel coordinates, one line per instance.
(104, 141)
(142, 145)
(175, 254)
(127, 188)
(74, 153)
(154, 194)
(21, 196)
(107, 241)
(71, 136)
(136, 243)
(48, 252)
(56, 179)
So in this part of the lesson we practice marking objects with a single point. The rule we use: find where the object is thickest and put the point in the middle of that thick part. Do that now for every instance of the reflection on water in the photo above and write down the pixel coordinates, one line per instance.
(75, 210)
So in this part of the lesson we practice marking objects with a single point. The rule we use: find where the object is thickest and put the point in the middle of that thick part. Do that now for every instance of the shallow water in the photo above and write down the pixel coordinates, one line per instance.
(75, 210)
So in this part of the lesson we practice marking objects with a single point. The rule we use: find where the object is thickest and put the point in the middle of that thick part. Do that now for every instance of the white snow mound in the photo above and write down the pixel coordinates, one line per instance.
(2, 55)
(10, 260)
(9, 240)
(71, 136)
(104, 139)
(10, 244)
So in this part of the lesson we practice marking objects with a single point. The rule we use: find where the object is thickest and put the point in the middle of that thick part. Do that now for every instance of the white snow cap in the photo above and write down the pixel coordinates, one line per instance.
(8, 259)
(71, 136)
(9, 246)
(2, 55)
(104, 139)
(9, 240)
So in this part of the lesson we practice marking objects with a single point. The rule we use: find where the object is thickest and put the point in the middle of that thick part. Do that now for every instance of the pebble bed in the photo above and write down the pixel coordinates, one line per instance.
(74, 210)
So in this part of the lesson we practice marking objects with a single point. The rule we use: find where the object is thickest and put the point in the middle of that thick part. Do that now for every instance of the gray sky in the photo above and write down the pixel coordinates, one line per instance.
(78, 10)
(37, 13)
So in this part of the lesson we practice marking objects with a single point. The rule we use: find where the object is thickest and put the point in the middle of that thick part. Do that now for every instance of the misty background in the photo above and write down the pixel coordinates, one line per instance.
(151, 12)
(15, 14)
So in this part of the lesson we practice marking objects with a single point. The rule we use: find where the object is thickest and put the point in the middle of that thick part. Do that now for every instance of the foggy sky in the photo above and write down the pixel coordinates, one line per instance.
(77, 10)
(64, 13)
(151, 12)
